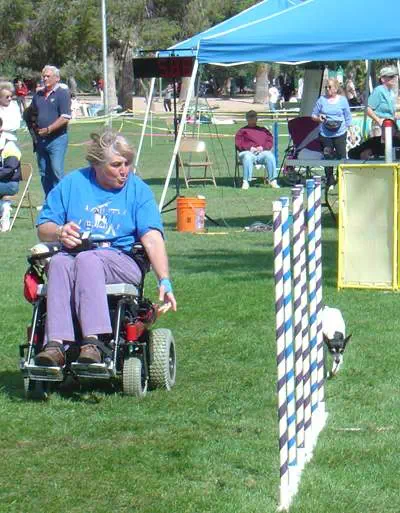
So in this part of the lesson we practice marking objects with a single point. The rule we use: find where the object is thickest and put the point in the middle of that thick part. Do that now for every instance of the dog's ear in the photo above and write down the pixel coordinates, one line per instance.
(347, 339)
(328, 343)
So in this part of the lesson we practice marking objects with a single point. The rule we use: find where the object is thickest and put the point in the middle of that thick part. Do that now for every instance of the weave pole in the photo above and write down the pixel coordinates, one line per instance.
(318, 274)
(289, 349)
(297, 206)
(312, 301)
(308, 441)
(284, 491)
(298, 284)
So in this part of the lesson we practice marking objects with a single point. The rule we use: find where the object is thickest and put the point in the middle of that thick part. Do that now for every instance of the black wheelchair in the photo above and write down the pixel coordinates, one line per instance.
(140, 357)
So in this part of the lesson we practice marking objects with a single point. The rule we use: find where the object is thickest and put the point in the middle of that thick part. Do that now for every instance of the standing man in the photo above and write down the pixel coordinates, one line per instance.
(168, 92)
(273, 97)
(254, 144)
(382, 101)
(53, 106)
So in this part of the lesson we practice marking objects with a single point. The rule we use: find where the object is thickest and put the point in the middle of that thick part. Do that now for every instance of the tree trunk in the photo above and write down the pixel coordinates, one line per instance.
(261, 93)
(226, 88)
(146, 90)
(126, 84)
(111, 87)
(73, 87)
(184, 89)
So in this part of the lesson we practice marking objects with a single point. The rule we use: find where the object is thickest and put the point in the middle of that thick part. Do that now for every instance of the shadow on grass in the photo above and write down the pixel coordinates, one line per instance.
(249, 266)
(255, 261)
(12, 384)
(225, 181)
(228, 222)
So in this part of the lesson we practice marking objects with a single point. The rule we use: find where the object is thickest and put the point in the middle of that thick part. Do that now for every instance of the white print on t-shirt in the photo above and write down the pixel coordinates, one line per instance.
(102, 219)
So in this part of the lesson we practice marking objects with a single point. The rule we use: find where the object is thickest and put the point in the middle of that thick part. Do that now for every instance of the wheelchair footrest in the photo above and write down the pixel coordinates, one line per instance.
(93, 370)
(42, 373)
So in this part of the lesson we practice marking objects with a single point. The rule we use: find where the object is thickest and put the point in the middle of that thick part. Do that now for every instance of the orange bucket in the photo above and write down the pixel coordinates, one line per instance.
(190, 214)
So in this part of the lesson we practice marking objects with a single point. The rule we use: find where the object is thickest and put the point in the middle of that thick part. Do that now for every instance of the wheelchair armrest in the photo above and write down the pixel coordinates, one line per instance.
(113, 289)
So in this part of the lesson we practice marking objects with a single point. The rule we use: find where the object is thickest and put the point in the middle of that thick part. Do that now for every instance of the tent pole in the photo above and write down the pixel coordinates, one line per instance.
(146, 117)
(366, 94)
(180, 133)
(197, 104)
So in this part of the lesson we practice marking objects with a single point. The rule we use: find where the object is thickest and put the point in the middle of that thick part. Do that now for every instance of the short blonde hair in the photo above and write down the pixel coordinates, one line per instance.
(103, 146)
(336, 83)
(6, 86)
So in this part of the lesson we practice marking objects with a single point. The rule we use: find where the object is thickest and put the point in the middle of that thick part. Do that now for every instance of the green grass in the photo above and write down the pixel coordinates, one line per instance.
(211, 444)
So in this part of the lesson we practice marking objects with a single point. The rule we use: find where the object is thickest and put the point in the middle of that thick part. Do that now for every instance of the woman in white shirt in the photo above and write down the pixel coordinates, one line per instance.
(9, 110)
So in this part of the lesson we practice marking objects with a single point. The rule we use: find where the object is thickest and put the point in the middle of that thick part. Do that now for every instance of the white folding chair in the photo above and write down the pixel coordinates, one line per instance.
(24, 196)
(193, 154)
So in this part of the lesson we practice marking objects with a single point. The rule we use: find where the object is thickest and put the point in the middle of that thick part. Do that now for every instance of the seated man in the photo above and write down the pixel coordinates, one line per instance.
(374, 147)
(254, 144)
(10, 175)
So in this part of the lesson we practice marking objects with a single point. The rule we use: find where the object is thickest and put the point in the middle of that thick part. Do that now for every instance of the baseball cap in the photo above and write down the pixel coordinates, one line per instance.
(388, 71)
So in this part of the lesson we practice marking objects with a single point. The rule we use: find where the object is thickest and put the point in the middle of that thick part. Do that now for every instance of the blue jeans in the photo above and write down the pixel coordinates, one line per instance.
(50, 158)
(7, 189)
(265, 158)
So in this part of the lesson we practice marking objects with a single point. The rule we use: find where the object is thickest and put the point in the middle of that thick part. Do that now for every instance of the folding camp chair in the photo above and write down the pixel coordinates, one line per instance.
(304, 135)
(24, 196)
(304, 143)
(193, 155)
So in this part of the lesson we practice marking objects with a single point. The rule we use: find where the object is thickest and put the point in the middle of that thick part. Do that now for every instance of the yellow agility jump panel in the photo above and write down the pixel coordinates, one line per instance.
(368, 218)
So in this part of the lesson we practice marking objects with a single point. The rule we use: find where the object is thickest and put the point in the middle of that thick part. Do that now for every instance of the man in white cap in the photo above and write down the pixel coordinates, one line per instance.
(382, 101)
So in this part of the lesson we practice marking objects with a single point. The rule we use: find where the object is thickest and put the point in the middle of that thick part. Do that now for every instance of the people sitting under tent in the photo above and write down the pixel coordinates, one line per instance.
(254, 144)
(382, 100)
(374, 147)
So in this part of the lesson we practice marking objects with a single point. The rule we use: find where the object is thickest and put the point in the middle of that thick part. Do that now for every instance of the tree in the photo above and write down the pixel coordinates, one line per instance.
(261, 92)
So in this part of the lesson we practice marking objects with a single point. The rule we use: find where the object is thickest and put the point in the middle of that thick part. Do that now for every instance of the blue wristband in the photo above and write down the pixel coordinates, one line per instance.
(167, 285)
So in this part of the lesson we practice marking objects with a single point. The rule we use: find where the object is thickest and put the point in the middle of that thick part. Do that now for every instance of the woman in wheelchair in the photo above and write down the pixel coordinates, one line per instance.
(108, 200)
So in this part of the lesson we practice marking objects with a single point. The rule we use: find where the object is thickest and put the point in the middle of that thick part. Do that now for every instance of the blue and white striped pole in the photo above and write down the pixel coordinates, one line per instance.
(276, 140)
(318, 274)
(284, 491)
(289, 349)
(312, 300)
(298, 220)
(308, 439)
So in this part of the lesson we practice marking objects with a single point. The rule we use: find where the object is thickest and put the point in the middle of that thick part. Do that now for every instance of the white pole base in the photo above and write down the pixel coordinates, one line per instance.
(285, 497)
(301, 458)
(294, 479)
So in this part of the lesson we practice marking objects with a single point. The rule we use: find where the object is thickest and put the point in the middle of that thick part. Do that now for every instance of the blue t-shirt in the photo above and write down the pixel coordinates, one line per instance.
(338, 113)
(120, 216)
(383, 102)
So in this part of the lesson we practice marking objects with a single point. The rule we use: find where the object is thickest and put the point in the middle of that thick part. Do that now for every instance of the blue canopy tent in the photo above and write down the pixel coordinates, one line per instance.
(257, 12)
(261, 11)
(309, 30)
(313, 30)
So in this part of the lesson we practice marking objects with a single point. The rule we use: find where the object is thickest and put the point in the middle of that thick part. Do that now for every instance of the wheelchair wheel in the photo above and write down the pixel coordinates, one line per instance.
(163, 367)
(38, 390)
(133, 380)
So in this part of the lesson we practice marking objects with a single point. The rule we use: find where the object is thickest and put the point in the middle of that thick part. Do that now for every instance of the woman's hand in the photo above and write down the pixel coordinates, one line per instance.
(69, 235)
(322, 118)
(166, 296)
